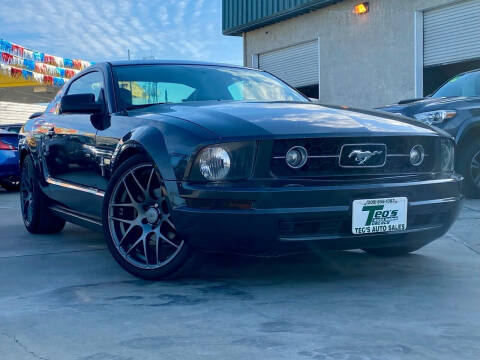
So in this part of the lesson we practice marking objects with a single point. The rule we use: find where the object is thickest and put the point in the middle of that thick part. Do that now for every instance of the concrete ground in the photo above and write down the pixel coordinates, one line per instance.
(63, 297)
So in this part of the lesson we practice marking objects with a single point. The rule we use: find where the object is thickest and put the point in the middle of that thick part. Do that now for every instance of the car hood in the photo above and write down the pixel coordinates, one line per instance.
(429, 104)
(286, 119)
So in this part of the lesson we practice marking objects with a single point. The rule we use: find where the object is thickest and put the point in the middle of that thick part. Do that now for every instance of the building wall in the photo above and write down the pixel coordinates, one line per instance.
(28, 94)
(365, 60)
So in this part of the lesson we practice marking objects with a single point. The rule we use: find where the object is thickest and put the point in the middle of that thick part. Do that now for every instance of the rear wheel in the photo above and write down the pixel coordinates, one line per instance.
(137, 223)
(37, 217)
(470, 169)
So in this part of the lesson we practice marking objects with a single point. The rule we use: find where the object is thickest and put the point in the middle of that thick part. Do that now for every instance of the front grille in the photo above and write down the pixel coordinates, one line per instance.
(342, 225)
(311, 227)
(324, 157)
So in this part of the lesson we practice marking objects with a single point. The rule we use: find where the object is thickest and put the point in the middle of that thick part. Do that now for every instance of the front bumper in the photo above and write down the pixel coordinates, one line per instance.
(320, 214)
(9, 165)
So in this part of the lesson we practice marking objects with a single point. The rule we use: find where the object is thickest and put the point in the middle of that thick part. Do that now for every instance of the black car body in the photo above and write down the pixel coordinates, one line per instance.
(455, 108)
(92, 159)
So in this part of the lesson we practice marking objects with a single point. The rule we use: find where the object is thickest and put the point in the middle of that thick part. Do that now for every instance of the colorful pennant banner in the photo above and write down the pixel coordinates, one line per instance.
(17, 61)
(31, 75)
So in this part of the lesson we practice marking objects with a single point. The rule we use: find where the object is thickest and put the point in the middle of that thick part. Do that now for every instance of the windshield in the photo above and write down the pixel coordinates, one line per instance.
(467, 85)
(141, 85)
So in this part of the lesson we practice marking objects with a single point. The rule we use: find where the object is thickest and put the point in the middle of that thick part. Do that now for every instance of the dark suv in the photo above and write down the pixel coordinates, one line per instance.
(454, 107)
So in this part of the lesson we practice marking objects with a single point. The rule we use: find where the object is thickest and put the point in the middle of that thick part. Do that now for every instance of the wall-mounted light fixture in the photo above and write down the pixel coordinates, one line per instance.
(362, 8)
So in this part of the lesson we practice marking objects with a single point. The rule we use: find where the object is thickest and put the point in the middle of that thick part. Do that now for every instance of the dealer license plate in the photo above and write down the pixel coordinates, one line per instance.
(379, 215)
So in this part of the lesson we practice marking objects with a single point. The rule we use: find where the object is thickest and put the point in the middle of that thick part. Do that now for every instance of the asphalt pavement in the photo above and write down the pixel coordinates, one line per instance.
(63, 297)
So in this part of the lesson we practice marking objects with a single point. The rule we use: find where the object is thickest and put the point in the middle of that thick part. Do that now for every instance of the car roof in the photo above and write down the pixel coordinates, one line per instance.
(168, 62)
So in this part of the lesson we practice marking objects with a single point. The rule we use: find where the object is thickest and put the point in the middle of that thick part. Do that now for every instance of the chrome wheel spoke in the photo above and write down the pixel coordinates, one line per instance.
(164, 238)
(149, 183)
(475, 163)
(123, 220)
(145, 249)
(138, 183)
(475, 169)
(169, 222)
(123, 204)
(476, 180)
(125, 234)
(128, 191)
(135, 244)
(156, 247)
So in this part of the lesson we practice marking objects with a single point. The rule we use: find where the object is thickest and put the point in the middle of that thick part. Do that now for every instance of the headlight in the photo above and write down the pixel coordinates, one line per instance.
(229, 161)
(214, 163)
(435, 117)
(447, 155)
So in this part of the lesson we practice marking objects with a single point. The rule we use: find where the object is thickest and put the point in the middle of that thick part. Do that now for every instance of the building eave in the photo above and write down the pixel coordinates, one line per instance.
(278, 16)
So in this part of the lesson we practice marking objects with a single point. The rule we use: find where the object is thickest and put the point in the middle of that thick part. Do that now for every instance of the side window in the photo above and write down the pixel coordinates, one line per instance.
(91, 83)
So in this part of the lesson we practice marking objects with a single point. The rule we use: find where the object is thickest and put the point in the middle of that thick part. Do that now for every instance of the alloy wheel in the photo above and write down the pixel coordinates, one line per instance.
(139, 219)
(475, 169)
(26, 194)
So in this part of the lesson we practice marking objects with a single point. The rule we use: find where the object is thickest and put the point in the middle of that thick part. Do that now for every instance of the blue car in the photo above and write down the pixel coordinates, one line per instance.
(9, 169)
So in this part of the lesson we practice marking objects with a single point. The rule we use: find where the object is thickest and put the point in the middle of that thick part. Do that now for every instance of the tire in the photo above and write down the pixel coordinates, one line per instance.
(37, 217)
(469, 167)
(10, 186)
(137, 224)
(396, 250)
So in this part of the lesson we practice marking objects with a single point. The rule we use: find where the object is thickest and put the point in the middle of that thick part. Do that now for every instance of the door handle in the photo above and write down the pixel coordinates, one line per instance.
(51, 131)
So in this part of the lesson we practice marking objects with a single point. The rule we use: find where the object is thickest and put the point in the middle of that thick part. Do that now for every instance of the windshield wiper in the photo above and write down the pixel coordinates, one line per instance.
(144, 105)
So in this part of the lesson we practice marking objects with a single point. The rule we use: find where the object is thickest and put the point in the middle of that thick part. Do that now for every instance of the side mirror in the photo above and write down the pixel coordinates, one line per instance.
(313, 99)
(35, 115)
(80, 103)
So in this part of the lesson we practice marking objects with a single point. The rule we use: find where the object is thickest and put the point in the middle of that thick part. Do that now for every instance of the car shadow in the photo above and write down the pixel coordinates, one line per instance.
(323, 276)
(5, 192)
(310, 266)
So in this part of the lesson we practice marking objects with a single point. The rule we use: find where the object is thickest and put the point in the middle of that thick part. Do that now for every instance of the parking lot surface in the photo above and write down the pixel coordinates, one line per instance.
(64, 297)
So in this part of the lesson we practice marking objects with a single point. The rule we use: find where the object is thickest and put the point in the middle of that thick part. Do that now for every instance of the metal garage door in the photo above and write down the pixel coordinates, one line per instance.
(297, 65)
(452, 33)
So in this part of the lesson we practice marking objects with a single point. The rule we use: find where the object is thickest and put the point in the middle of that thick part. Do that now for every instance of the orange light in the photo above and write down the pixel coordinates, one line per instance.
(361, 8)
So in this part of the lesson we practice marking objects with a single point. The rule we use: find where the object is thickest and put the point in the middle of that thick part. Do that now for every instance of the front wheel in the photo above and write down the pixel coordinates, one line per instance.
(137, 223)
(469, 167)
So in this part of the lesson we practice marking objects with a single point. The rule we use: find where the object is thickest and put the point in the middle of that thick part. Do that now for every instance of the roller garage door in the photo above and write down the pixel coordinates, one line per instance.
(452, 33)
(451, 42)
(297, 65)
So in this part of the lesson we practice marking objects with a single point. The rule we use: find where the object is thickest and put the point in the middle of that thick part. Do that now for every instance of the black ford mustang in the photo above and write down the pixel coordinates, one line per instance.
(167, 157)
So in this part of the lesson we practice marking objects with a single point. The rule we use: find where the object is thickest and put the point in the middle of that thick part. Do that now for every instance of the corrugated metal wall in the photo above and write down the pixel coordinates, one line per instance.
(245, 15)
(15, 113)
(452, 33)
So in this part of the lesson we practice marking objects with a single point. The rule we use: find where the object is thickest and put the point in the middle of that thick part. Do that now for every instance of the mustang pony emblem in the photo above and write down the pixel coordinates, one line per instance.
(361, 157)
